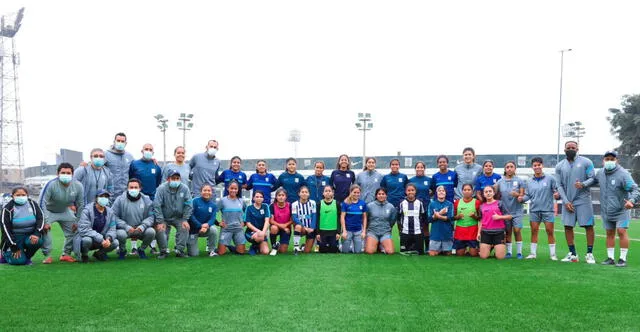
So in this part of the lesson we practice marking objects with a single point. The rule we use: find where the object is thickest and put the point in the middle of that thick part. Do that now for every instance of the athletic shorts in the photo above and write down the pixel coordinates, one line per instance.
(226, 237)
(440, 246)
(515, 222)
(379, 237)
(410, 242)
(492, 237)
(583, 216)
(463, 244)
(248, 235)
(608, 225)
(541, 217)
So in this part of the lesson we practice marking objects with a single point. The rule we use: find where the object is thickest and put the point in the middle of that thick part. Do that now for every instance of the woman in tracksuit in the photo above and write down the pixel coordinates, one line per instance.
(467, 171)
(263, 181)
(342, 178)
(381, 217)
(22, 224)
(369, 180)
(291, 180)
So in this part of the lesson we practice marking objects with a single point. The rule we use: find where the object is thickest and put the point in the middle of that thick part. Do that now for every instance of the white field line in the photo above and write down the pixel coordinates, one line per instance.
(574, 232)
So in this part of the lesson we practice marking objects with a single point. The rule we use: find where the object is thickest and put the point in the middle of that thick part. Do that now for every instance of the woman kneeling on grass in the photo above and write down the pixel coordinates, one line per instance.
(232, 225)
(465, 236)
(328, 222)
(303, 212)
(381, 216)
(256, 218)
(353, 219)
(22, 224)
(492, 227)
(440, 216)
(280, 223)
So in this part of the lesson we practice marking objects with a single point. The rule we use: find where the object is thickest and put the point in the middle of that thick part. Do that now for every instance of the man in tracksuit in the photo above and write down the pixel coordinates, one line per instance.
(94, 176)
(118, 161)
(146, 170)
(618, 194)
(61, 200)
(96, 229)
(134, 212)
(204, 168)
(574, 176)
(172, 207)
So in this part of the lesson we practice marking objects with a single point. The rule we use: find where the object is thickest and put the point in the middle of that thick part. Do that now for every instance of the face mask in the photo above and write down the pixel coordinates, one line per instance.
(174, 184)
(571, 154)
(103, 201)
(65, 178)
(212, 152)
(134, 192)
(609, 165)
(119, 146)
(98, 162)
(147, 155)
(20, 200)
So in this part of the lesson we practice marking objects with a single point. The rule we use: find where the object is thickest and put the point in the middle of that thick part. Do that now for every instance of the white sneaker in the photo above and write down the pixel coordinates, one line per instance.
(590, 259)
(273, 252)
(571, 258)
(554, 258)
(213, 254)
(531, 256)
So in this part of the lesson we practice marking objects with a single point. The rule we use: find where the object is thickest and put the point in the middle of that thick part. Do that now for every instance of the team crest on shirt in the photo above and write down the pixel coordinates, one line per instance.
(261, 211)
(515, 183)
(544, 184)
(210, 209)
(474, 173)
(141, 205)
(494, 181)
(181, 195)
(375, 180)
(426, 183)
(295, 180)
(324, 183)
(360, 207)
(153, 171)
(400, 180)
(448, 177)
(613, 182)
(348, 175)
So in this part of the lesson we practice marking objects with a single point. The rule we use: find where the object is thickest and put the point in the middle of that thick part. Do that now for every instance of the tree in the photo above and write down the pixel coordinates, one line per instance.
(625, 126)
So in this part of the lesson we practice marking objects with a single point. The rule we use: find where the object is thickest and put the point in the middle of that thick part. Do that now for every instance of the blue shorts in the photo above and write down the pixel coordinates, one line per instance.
(378, 237)
(463, 244)
(515, 222)
(236, 236)
(609, 225)
(440, 246)
(248, 235)
(541, 217)
(583, 216)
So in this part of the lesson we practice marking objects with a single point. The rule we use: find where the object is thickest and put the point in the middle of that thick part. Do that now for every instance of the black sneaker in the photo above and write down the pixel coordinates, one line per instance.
(162, 255)
(140, 252)
(609, 261)
(180, 254)
(84, 259)
(100, 256)
(621, 263)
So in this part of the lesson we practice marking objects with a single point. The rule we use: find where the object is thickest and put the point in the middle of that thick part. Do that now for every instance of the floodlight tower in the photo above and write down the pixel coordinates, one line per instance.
(162, 125)
(184, 126)
(364, 123)
(11, 153)
(294, 137)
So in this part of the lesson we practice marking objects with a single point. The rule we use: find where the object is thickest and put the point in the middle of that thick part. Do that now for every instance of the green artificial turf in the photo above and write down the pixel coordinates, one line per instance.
(326, 292)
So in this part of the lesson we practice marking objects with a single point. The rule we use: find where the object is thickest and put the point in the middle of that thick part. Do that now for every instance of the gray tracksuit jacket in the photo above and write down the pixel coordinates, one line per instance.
(616, 186)
(118, 163)
(172, 204)
(369, 182)
(568, 173)
(466, 174)
(131, 214)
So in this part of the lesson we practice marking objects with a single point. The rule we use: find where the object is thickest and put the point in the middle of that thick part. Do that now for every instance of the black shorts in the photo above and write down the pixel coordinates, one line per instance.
(492, 237)
(411, 242)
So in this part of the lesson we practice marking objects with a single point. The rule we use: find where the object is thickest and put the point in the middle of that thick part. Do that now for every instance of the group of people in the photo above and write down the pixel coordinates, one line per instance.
(469, 211)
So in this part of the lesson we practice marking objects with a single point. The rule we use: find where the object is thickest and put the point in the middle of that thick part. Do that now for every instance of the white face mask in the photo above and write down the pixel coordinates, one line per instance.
(147, 155)
(609, 165)
(212, 152)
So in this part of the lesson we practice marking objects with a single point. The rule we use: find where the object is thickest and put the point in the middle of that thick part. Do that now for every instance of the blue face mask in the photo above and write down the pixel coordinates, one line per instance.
(20, 200)
(134, 192)
(98, 162)
(103, 201)
(174, 184)
(147, 155)
(119, 146)
(65, 178)
(609, 165)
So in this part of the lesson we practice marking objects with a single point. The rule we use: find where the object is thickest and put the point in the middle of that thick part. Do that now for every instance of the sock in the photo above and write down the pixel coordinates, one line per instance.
(273, 237)
(134, 245)
(296, 239)
(611, 252)
(572, 249)
(623, 253)
(426, 243)
(509, 247)
(153, 243)
(589, 249)
(552, 249)
(519, 246)
(534, 248)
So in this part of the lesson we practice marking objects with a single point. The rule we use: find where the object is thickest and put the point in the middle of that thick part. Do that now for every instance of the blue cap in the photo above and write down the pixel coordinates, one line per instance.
(102, 192)
(173, 172)
(612, 153)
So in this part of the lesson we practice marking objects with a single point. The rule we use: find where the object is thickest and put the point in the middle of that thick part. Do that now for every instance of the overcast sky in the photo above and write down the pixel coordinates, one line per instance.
(436, 76)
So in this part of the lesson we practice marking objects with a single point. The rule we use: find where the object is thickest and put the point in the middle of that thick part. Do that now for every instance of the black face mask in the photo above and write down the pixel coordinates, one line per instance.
(571, 154)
